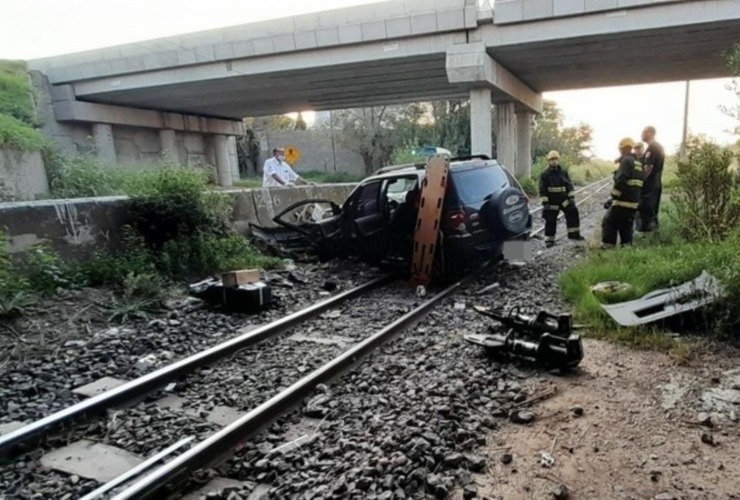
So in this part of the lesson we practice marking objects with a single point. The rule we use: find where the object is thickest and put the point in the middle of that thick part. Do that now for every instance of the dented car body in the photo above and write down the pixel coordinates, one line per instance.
(484, 207)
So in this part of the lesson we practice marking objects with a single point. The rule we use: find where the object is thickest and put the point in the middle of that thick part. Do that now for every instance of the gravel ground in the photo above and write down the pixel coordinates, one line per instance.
(409, 423)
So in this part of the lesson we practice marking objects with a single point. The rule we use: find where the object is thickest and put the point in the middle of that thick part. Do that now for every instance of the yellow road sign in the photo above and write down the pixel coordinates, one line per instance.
(292, 155)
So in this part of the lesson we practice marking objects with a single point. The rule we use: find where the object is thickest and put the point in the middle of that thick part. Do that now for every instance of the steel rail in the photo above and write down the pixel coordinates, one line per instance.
(223, 443)
(561, 214)
(152, 381)
(577, 191)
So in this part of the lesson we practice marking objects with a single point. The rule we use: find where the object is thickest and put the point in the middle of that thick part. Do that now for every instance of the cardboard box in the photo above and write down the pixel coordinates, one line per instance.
(242, 277)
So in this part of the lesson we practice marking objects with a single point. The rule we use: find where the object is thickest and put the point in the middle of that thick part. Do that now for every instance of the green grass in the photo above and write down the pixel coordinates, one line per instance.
(17, 116)
(658, 261)
(15, 134)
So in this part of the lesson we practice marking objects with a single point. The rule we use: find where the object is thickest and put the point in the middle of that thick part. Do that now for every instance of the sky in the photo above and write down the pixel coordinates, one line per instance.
(38, 28)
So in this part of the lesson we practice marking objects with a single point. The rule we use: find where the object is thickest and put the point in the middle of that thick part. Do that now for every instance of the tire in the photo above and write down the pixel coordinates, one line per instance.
(506, 212)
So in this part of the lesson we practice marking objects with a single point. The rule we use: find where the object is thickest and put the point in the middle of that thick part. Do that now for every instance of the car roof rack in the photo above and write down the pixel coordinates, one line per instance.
(470, 157)
(391, 168)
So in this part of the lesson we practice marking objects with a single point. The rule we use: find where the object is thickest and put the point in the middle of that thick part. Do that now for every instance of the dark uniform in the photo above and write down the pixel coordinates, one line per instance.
(652, 188)
(556, 190)
(620, 219)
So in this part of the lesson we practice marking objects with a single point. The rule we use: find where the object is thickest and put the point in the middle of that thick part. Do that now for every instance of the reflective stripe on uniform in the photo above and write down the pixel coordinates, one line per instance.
(552, 207)
(572, 230)
(565, 203)
(571, 194)
(634, 182)
(625, 204)
(560, 189)
(549, 238)
(616, 192)
(545, 199)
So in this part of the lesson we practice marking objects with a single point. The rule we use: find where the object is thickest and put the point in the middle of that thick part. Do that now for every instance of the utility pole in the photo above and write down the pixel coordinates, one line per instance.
(333, 147)
(682, 153)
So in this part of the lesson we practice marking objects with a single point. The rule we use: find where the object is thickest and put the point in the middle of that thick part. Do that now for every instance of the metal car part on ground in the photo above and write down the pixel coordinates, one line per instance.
(545, 338)
(667, 302)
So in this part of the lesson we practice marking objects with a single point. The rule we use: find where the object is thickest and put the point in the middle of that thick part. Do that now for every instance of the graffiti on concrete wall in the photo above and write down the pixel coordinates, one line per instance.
(77, 232)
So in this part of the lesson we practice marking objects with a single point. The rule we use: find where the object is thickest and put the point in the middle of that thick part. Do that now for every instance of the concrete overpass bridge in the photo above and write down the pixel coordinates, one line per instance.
(380, 53)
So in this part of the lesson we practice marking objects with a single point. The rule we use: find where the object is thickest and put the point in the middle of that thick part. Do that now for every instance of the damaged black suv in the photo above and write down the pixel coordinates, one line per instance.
(484, 207)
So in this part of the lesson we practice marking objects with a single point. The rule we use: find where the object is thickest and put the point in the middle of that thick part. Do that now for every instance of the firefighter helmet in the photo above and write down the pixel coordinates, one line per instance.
(626, 142)
(553, 155)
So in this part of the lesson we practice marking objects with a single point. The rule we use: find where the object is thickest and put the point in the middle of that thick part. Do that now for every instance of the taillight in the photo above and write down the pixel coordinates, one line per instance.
(456, 221)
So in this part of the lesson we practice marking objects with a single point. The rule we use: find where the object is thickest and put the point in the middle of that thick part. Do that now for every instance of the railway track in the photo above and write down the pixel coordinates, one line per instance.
(216, 446)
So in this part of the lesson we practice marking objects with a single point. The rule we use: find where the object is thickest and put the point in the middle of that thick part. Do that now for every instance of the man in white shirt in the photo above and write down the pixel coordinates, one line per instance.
(277, 172)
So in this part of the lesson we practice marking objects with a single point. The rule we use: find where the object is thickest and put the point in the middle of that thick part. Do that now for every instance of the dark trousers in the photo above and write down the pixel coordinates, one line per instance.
(618, 221)
(572, 221)
(647, 217)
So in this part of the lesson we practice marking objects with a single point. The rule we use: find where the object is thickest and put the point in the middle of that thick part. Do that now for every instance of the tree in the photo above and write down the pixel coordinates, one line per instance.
(300, 123)
(573, 143)
(369, 132)
(443, 124)
(272, 122)
(732, 58)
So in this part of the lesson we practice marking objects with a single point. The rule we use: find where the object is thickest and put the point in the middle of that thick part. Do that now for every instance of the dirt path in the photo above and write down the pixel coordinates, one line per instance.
(638, 437)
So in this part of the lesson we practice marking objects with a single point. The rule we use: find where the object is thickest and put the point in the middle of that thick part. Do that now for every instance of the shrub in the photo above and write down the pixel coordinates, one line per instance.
(173, 204)
(80, 176)
(706, 196)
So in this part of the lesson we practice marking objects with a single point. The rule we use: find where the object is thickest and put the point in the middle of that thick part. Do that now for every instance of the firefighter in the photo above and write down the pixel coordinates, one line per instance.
(639, 153)
(556, 190)
(653, 187)
(622, 205)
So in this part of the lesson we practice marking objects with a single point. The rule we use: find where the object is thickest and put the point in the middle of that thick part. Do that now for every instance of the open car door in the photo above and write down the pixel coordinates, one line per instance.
(309, 226)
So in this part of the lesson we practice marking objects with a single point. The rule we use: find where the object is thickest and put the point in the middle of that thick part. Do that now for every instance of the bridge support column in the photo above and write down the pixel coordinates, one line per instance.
(506, 135)
(481, 142)
(105, 147)
(223, 163)
(168, 144)
(523, 143)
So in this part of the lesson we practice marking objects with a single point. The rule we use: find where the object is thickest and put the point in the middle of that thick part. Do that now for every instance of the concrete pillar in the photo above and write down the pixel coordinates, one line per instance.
(506, 130)
(523, 143)
(233, 158)
(481, 142)
(223, 164)
(168, 144)
(105, 148)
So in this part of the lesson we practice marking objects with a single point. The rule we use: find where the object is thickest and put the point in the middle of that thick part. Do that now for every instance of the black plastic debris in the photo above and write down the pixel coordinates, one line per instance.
(248, 297)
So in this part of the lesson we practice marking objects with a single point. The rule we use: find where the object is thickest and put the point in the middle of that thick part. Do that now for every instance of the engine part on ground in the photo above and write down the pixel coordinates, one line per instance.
(667, 302)
(426, 235)
(545, 338)
(542, 322)
(248, 298)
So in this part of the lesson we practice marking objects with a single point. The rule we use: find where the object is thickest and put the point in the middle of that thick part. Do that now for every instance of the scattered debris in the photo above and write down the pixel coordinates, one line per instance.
(241, 277)
(577, 411)
(248, 297)
(546, 460)
(561, 492)
(707, 438)
(548, 337)
(667, 302)
(607, 288)
(421, 291)
(330, 286)
(521, 416)
(506, 458)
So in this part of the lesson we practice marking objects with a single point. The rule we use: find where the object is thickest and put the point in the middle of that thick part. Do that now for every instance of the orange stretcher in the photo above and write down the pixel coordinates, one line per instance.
(426, 234)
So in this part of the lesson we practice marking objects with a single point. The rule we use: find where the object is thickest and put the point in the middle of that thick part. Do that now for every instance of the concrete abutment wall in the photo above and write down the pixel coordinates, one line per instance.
(78, 228)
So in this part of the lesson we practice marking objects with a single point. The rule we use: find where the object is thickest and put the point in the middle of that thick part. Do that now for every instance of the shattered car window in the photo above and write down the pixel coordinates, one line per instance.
(474, 185)
(398, 188)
